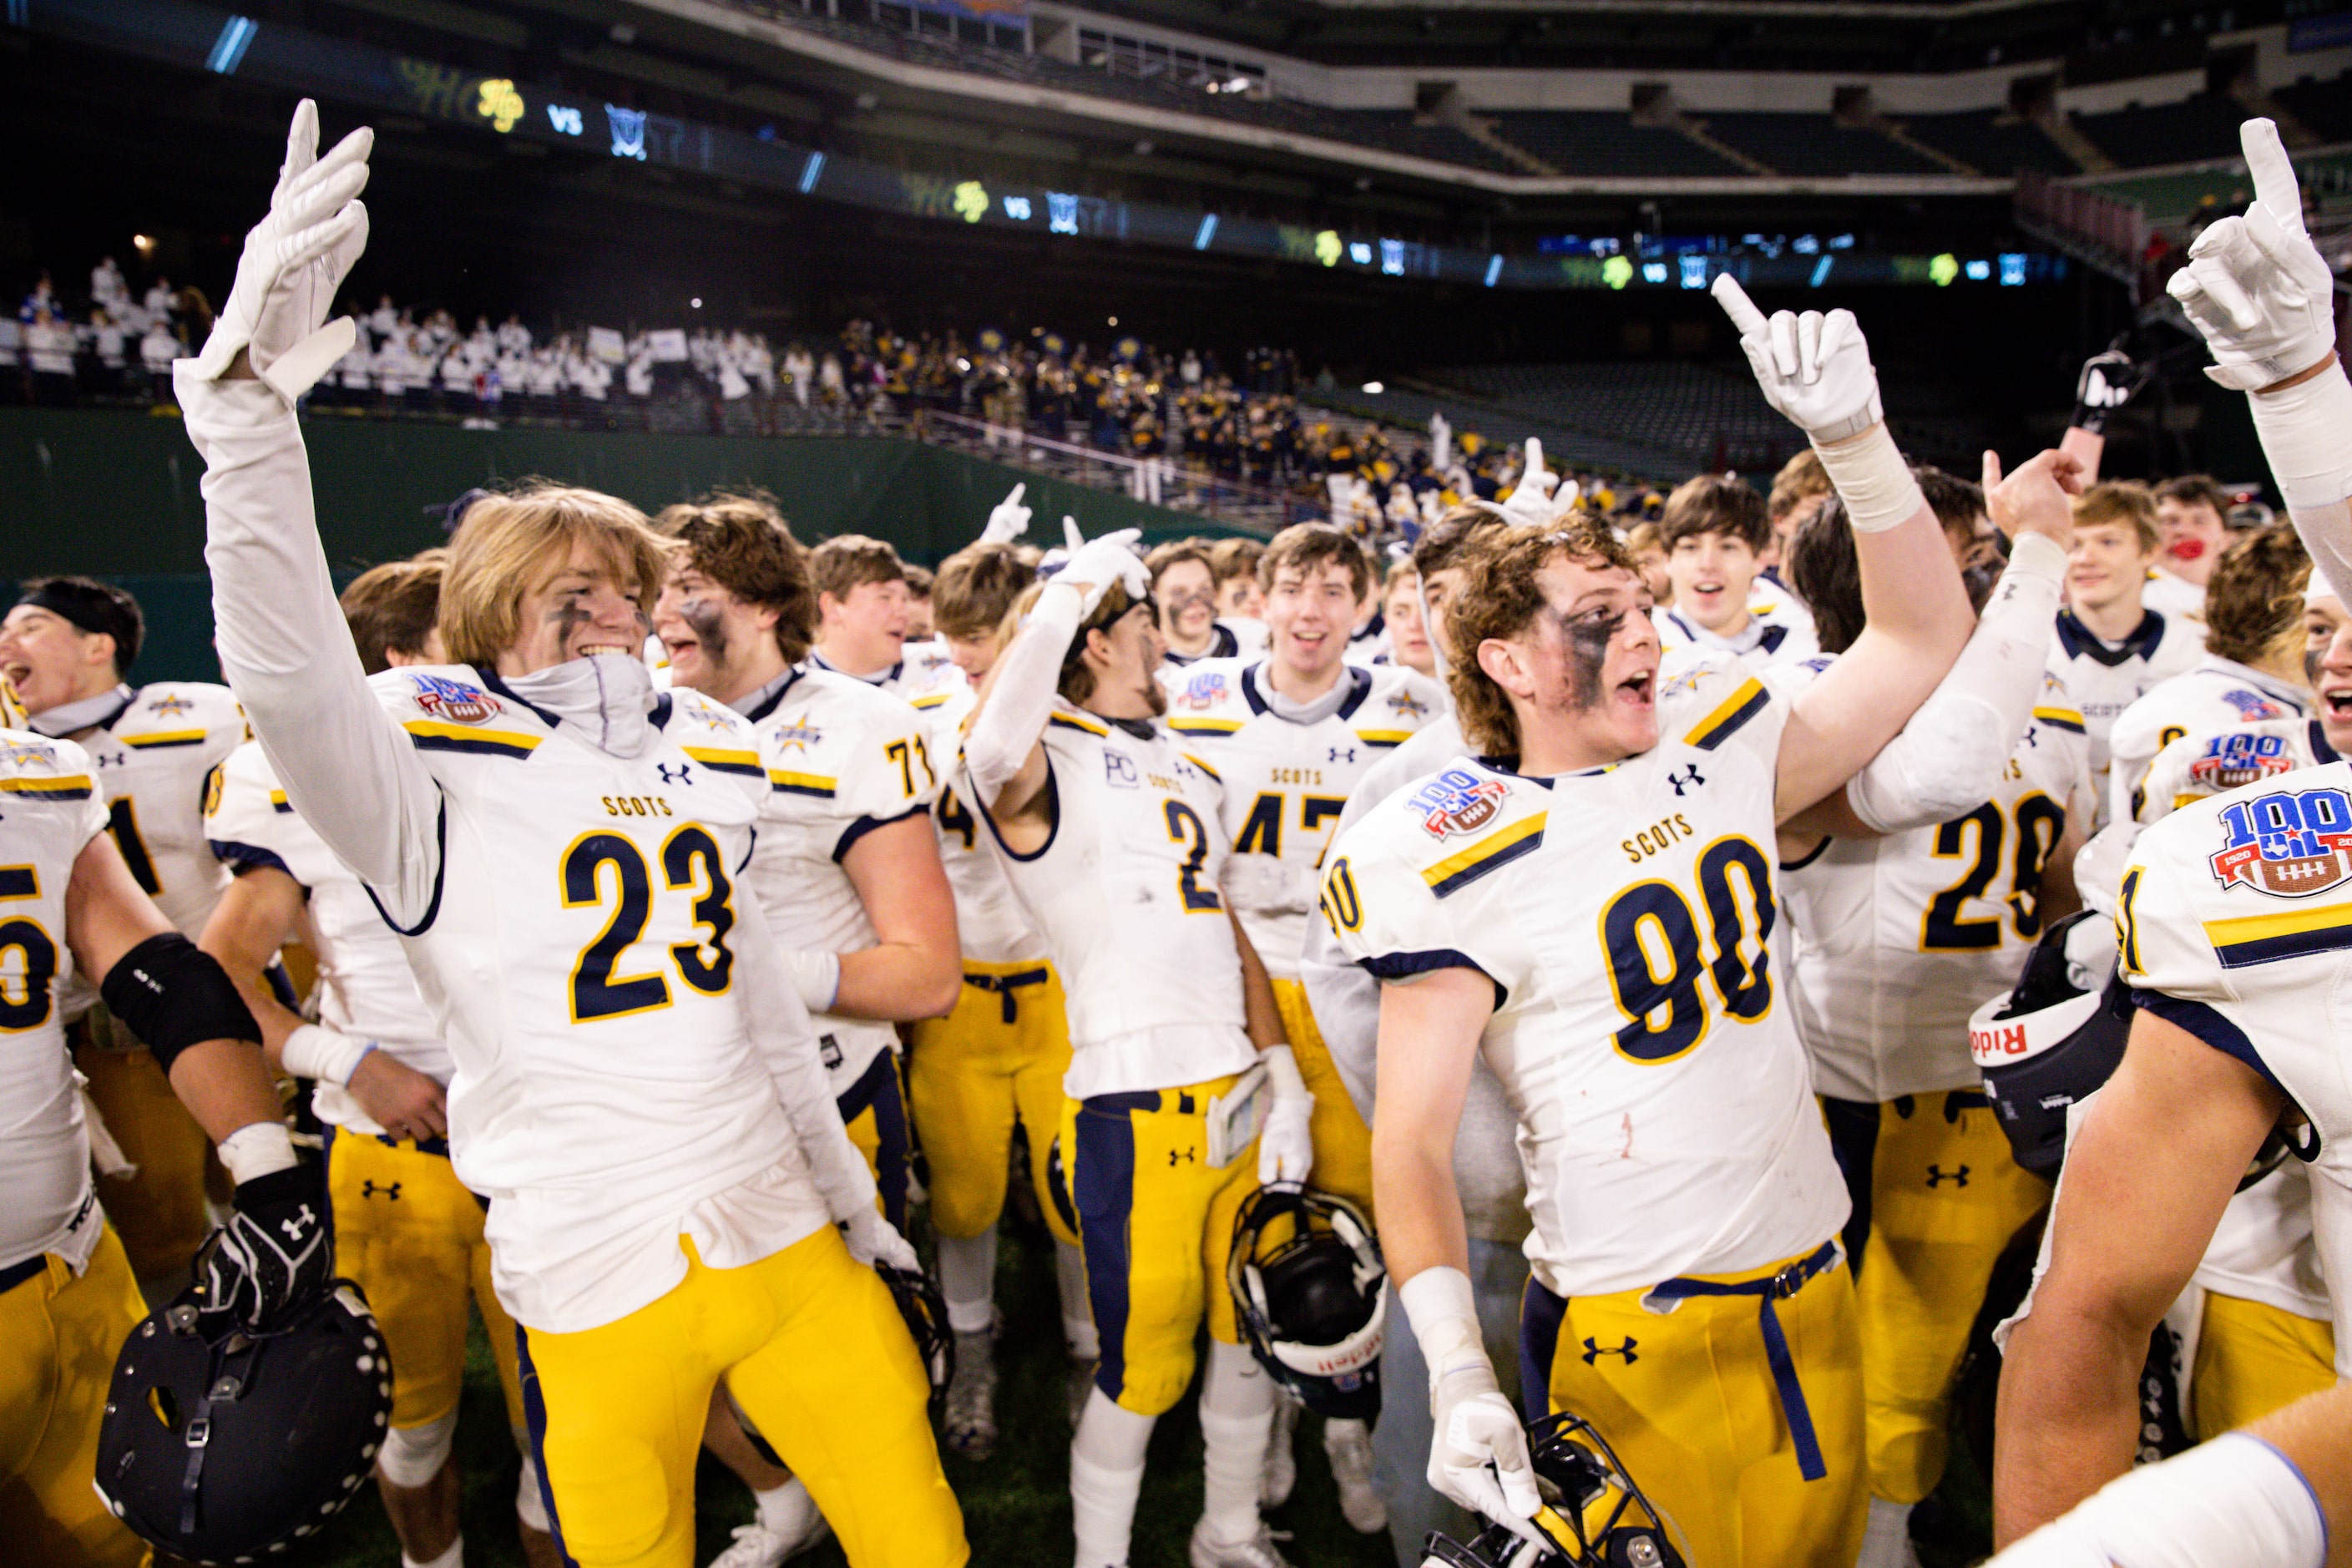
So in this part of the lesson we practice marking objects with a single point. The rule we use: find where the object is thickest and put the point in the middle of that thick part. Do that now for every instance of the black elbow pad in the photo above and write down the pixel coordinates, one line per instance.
(172, 995)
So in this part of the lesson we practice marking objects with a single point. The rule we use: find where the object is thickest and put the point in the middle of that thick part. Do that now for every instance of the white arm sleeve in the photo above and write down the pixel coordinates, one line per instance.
(2306, 433)
(786, 1041)
(287, 653)
(1948, 757)
(1020, 696)
(2236, 1500)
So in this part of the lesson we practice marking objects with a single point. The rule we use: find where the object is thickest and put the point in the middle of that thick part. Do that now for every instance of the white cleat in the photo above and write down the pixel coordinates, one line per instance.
(1257, 1552)
(1348, 1446)
(1281, 1461)
(757, 1546)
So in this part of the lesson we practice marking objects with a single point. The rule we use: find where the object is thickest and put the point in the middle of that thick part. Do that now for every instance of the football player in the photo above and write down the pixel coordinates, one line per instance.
(2252, 669)
(2192, 515)
(845, 865)
(1183, 1096)
(1290, 735)
(1408, 633)
(996, 1063)
(635, 1085)
(1184, 586)
(67, 1298)
(1689, 1297)
(2109, 649)
(1715, 531)
(862, 618)
(1241, 604)
(2233, 952)
(405, 1229)
(1950, 855)
(68, 644)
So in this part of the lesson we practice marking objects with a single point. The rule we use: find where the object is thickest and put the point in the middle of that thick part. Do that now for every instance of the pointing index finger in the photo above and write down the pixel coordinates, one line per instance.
(1737, 304)
(2273, 173)
(1070, 534)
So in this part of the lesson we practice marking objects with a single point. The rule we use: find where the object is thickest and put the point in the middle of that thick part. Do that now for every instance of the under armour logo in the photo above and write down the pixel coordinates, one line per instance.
(2032, 735)
(1594, 1352)
(1343, 753)
(666, 769)
(368, 1189)
(301, 1222)
(1689, 776)
(1175, 1154)
(1937, 1176)
(113, 759)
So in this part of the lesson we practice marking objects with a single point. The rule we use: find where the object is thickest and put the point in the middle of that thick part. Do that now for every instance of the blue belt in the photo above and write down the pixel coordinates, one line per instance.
(1006, 987)
(1773, 1288)
(16, 1274)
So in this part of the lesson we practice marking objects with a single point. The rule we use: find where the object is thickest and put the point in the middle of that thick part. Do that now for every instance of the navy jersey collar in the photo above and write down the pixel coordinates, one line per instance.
(2080, 642)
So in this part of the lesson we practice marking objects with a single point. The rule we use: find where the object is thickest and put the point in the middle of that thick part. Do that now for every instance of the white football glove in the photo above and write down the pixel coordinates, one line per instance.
(294, 261)
(1096, 563)
(1010, 520)
(1286, 1148)
(1814, 369)
(873, 1239)
(2257, 287)
(1262, 884)
(1530, 499)
(1478, 1451)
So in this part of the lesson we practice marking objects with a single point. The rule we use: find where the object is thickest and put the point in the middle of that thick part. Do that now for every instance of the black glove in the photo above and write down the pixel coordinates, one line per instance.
(275, 1254)
(2109, 380)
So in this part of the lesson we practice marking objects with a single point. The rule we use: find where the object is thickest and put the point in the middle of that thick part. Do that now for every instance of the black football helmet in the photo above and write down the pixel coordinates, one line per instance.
(222, 1445)
(2054, 1039)
(925, 1309)
(1309, 1289)
(1593, 1515)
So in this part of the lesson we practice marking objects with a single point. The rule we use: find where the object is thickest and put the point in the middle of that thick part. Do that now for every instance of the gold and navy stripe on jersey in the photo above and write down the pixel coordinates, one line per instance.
(815, 785)
(430, 735)
(165, 738)
(1729, 717)
(1384, 738)
(2059, 719)
(1203, 766)
(65, 786)
(932, 699)
(1492, 853)
(2248, 940)
(1204, 726)
(278, 801)
(1072, 722)
(746, 763)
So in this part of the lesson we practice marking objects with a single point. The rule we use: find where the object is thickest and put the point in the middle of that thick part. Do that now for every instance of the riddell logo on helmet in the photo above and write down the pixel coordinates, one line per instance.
(1991, 1045)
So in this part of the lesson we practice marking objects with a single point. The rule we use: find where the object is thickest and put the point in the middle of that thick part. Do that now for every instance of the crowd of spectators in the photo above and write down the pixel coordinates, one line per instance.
(1182, 414)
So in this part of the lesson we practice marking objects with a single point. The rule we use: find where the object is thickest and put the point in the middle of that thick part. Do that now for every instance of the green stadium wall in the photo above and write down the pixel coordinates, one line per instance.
(115, 496)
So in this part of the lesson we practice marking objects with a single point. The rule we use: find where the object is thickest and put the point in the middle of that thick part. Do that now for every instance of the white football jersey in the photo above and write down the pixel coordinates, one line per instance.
(2235, 924)
(580, 893)
(1779, 630)
(991, 926)
(926, 674)
(1125, 894)
(1899, 937)
(366, 989)
(843, 758)
(1667, 1123)
(2215, 693)
(2172, 596)
(49, 811)
(155, 760)
(1287, 783)
(2106, 678)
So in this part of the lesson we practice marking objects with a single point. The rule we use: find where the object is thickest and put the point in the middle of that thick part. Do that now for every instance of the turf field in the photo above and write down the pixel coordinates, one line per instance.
(1016, 1506)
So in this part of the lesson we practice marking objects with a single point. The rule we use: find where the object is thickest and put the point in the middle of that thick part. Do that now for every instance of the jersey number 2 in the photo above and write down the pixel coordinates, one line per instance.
(690, 862)
(1184, 827)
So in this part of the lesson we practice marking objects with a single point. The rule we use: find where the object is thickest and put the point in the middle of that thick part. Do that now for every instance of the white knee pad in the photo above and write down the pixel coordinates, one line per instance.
(412, 1456)
(529, 1506)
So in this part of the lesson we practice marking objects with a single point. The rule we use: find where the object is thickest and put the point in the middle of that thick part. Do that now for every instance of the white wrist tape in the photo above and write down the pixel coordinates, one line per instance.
(816, 976)
(1282, 1070)
(316, 1051)
(1444, 1312)
(2235, 1500)
(1872, 479)
(258, 1149)
(2306, 433)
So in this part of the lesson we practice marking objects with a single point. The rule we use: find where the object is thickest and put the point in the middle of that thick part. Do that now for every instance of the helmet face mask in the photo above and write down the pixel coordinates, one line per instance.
(1594, 1516)
(219, 1446)
(1309, 1293)
(925, 1309)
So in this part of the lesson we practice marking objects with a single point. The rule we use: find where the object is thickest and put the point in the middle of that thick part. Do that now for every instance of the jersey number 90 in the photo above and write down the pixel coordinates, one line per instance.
(1653, 941)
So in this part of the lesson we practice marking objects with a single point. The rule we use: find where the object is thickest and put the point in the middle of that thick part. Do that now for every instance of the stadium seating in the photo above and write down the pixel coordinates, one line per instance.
(1605, 141)
(1993, 141)
(1816, 145)
(2324, 106)
(1697, 411)
(2205, 126)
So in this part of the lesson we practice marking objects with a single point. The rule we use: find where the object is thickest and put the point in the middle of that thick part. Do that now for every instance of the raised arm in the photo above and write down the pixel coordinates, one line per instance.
(1816, 370)
(2263, 298)
(281, 636)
